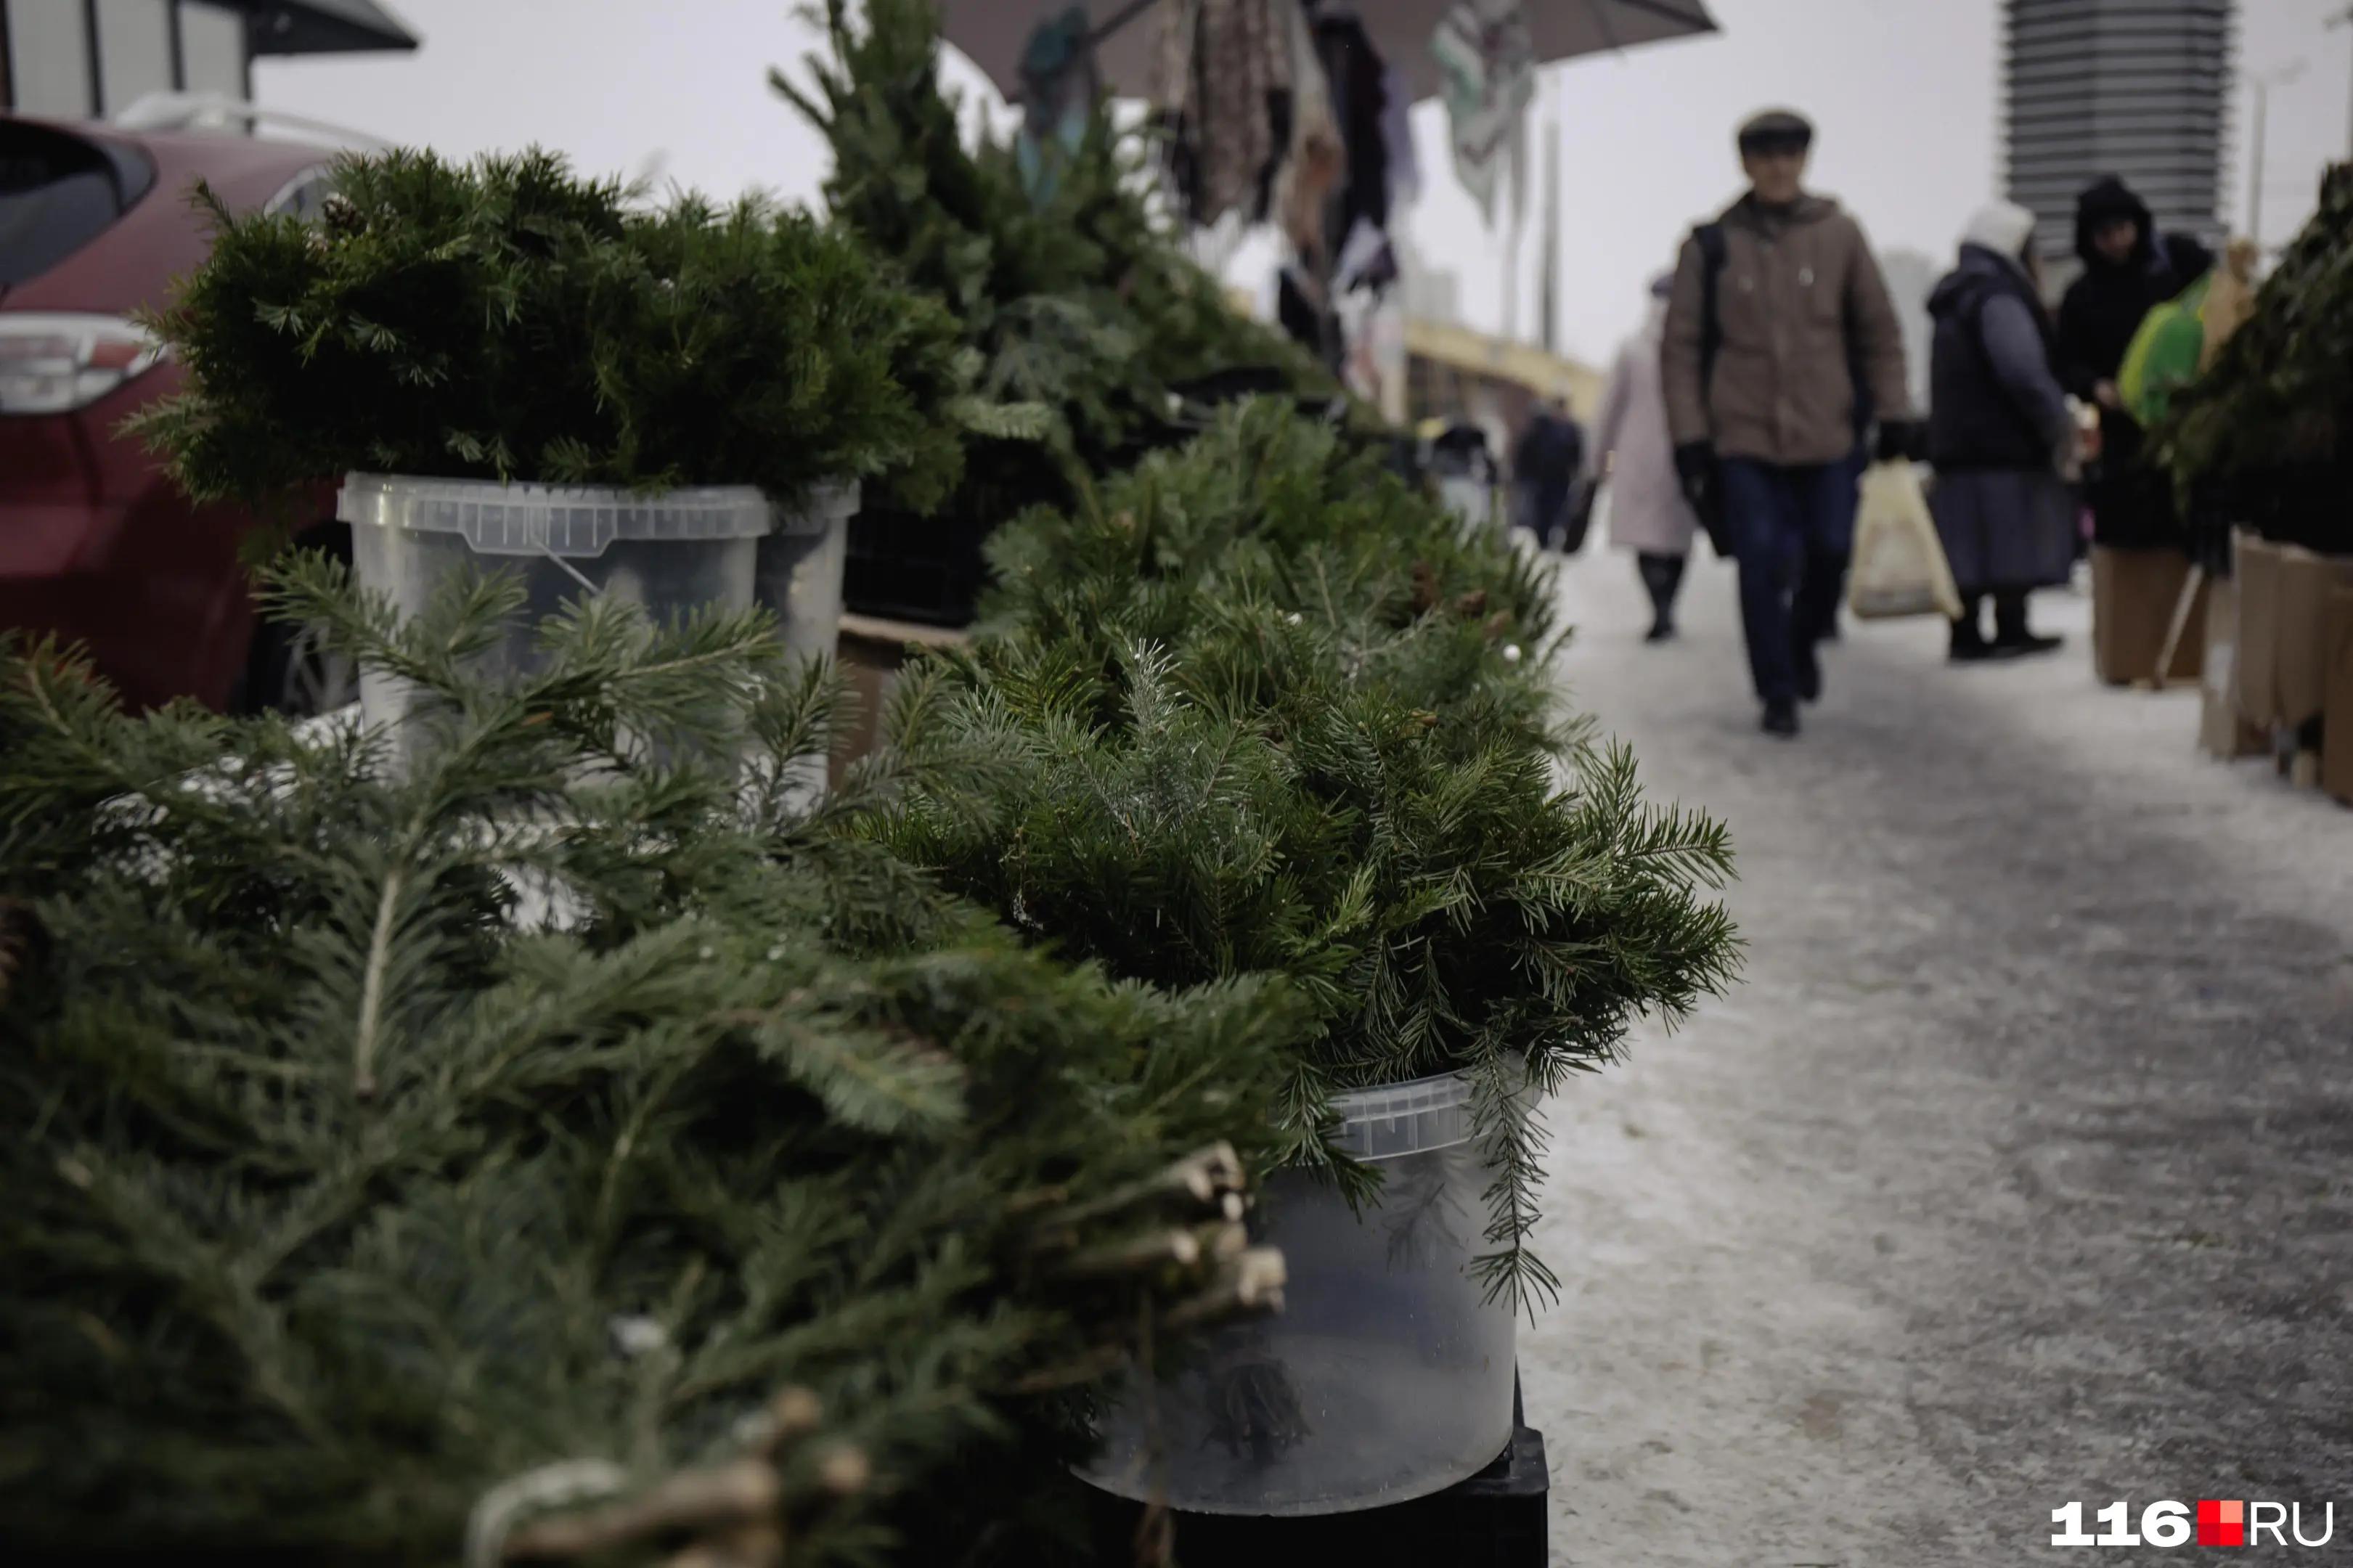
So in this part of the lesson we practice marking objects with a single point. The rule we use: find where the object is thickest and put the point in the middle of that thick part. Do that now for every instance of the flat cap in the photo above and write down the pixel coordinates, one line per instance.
(1784, 126)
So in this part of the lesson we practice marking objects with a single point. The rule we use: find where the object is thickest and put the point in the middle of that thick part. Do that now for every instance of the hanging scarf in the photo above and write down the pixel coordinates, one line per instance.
(1314, 161)
(1397, 131)
(1224, 69)
(1487, 72)
(1059, 88)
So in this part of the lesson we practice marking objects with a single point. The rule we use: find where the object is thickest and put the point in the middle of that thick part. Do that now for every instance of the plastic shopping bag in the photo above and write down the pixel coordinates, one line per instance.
(2229, 300)
(1899, 566)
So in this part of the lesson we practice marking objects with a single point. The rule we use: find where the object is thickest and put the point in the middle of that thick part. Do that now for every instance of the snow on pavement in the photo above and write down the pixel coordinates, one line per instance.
(2017, 1170)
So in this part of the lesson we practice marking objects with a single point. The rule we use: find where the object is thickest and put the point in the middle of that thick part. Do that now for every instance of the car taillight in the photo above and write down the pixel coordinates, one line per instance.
(54, 363)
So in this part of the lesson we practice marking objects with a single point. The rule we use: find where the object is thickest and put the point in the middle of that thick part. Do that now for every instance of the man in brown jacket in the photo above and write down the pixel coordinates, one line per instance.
(1780, 344)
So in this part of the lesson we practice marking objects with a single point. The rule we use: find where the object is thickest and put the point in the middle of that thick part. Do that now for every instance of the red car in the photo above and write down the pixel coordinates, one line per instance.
(97, 545)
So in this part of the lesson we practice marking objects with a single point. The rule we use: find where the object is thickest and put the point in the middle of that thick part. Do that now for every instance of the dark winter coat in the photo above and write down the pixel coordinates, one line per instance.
(1995, 401)
(2188, 258)
(1544, 467)
(2102, 310)
(1998, 425)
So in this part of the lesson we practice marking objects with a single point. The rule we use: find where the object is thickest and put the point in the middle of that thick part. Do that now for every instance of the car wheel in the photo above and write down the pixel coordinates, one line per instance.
(292, 670)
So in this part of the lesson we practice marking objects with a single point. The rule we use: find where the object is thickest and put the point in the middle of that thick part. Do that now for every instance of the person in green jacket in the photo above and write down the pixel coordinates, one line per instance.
(2164, 353)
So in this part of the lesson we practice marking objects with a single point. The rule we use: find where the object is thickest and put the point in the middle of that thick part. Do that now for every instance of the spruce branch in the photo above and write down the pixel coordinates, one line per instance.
(1267, 728)
(411, 335)
(1200, 1179)
(725, 1501)
(764, 1110)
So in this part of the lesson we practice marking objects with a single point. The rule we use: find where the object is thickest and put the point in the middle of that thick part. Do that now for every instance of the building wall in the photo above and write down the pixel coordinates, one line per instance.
(80, 59)
(1429, 293)
(2137, 88)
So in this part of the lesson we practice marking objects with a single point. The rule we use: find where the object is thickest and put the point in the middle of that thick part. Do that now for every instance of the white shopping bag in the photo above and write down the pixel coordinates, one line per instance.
(1899, 566)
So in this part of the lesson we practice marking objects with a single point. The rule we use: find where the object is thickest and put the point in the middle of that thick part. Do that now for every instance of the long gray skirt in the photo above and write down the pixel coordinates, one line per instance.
(2005, 528)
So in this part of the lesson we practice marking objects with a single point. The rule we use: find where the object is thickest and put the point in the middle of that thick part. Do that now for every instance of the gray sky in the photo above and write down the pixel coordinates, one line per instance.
(1905, 93)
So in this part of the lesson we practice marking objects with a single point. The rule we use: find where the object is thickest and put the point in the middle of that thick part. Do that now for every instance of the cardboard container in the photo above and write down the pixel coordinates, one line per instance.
(2305, 583)
(2257, 572)
(2221, 732)
(2337, 715)
(2133, 593)
(870, 653)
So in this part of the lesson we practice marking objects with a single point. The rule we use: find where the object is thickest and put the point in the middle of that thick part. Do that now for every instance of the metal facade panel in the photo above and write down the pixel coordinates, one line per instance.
(2137, 88)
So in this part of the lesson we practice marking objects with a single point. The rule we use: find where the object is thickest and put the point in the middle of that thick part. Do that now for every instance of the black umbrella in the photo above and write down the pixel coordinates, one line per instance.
(322, 27)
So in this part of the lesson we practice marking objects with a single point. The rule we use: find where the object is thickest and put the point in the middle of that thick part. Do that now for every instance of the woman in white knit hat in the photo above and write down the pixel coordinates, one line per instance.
(1999, 434)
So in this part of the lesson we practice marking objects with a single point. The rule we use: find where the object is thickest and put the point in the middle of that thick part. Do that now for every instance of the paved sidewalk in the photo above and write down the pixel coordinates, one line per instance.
(2018, 1171)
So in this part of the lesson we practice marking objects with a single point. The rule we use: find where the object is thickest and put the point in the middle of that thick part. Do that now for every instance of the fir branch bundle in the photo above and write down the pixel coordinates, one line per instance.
(2265, 433)
(506, 319)
(1081, 310)
(1263, 505)
(1273, 722)
(771, 1203)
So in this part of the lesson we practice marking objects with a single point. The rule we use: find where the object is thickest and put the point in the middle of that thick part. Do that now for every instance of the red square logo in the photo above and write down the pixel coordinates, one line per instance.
(2222, 1523)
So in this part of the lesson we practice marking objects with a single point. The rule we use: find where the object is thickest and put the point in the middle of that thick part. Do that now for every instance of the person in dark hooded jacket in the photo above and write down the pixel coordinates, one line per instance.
(2124, 276)
(1999, 434)
(2187, 258)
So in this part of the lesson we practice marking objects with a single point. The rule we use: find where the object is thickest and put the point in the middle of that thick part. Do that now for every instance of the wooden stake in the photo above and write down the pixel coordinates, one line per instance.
(2192, 586)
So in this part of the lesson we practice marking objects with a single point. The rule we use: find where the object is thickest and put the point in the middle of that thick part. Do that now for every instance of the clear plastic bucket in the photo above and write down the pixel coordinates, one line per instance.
(1385, 1378)
(798, 575)
(671, 553)
(798, 579)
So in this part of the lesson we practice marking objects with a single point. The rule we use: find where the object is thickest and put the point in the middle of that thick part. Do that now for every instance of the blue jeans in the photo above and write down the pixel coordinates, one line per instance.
(1791, 528)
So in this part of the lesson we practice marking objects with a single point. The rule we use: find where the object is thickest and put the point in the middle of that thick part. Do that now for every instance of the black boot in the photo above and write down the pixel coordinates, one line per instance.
(2010, 637)
(1662, 576)
(1781, 718)
(1969, 645)
(1807, 668)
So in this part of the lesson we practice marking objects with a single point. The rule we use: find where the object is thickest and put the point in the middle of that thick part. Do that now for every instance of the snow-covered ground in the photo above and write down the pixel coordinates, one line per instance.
(2020, 1168)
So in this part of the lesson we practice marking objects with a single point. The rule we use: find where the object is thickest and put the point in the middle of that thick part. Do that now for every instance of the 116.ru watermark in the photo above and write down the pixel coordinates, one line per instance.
(2217, 1522)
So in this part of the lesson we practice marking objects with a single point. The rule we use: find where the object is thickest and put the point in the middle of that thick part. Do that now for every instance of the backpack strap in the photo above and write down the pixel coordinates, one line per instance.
(1858, 374)
(1709, 237)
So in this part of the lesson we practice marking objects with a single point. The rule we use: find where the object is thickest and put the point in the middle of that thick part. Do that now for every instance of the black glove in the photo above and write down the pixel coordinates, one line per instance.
(1695, 470)
(1903, 441)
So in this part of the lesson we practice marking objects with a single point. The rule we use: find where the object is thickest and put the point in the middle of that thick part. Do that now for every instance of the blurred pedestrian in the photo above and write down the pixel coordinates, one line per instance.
(1544, 466)
(1999, 434)
(1633, 455)
(2126, 274)
(1778, 308)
